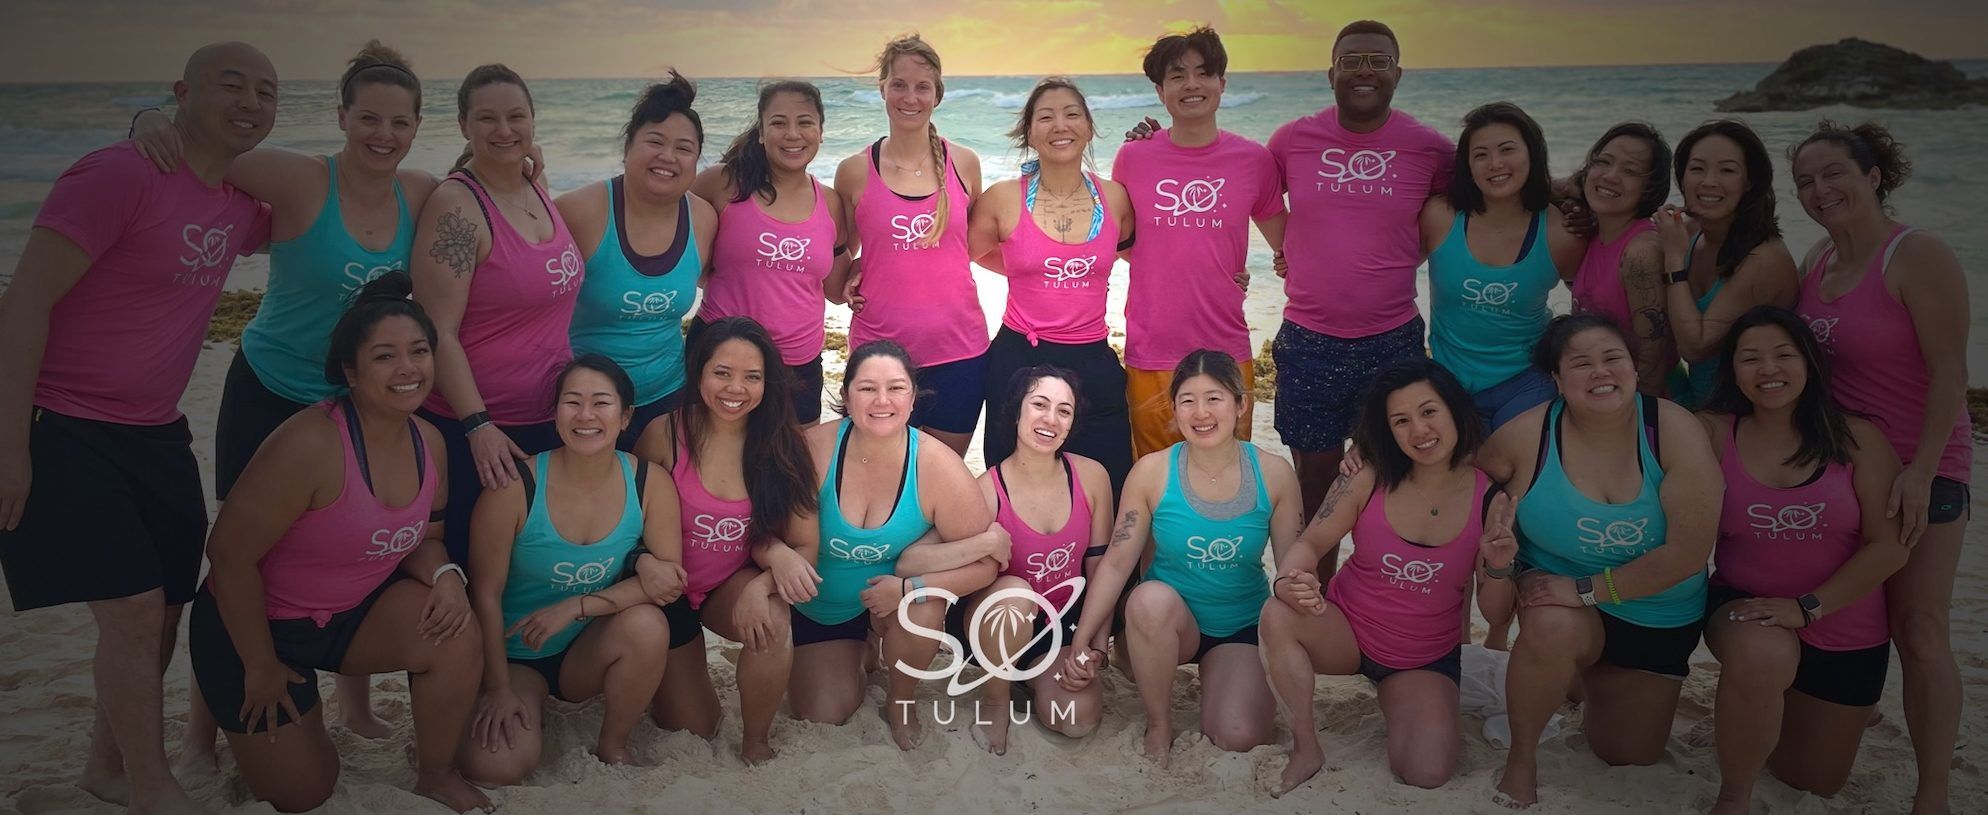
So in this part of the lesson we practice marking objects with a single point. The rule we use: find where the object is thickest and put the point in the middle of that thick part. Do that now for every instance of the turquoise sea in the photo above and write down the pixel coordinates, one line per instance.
(45, 127)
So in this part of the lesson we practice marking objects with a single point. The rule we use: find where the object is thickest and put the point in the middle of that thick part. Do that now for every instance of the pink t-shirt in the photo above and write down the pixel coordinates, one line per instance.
(715, 543)
(921, 297)
(1056, 290)
(1404, 602)
(122, 342)
(1193, 206)
(771, 270)
(1354, 237)
(1785, 542)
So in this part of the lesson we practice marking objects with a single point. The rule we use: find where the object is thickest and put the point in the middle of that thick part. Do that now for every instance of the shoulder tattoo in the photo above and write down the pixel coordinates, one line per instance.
(455, 242)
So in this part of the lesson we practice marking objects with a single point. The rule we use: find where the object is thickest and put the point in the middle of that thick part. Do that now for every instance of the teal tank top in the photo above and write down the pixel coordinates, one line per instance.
(631, 306)
(1216, 566)
(1483, 320)
(311, 279)
(1694, 389)
(850, 555)
(547, 568)
(1567, 533)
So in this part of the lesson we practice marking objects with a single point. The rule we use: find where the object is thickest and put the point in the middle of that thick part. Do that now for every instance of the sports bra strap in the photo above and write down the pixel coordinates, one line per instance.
(1892, 249)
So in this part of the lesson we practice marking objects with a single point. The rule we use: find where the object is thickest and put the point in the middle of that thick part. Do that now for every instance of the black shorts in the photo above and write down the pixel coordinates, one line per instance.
(1104, 425)
(250, 411)
(644, 414)
(548, 669)
(464, 486)
(113, 510)
(1246, 636)
(1853, 678)
(1320, 379)
(808, 632)
(302, 646)
(956, 621)
(686, 623)
(1665, 652)
(1450, 665)
(1950, 500)
(949, 395)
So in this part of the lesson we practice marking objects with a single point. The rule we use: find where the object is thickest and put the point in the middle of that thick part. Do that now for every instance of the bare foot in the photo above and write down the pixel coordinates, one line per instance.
(1159, 743)
(166, 800)
(1519, 789)
(365, 723)
(906, 731)
(1725, 807)
(453, 792)
(1929, 805)
(196, 764)
(619, 754)
(756, 752)
(107, 785)
(1876, 718)
(1302, 766)
(993, 736)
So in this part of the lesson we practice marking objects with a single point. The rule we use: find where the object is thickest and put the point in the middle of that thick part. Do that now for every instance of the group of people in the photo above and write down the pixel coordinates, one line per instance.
(470, 435)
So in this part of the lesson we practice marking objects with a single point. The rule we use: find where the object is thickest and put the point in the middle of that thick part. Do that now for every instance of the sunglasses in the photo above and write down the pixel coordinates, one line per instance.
(1349, 63)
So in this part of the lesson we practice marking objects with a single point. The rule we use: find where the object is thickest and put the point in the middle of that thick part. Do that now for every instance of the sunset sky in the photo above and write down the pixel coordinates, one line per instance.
(67, 40)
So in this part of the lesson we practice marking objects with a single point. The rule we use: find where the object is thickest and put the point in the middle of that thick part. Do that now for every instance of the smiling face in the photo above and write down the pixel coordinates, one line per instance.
(1499, 161)
(879, 396)
(1204, 411)
(1364, 92)
(1048, 411)
(1596, 374)
(733, 381)
(791, 131)
(1189, 91)
(394, 368)
(228, 97)
(379, 126)
(662, 158)
(1830, 186)
(1768, 367)
(1617, 175)
(499, 124)
(590, 414)
(1422, 424)
(1059, 126)
(1714, 178)
(911, 90)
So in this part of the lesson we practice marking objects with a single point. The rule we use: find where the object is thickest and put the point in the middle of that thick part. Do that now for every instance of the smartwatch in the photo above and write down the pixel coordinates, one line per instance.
(1585, 587)
(475, 420)
(1809, 603)
(1680, 276)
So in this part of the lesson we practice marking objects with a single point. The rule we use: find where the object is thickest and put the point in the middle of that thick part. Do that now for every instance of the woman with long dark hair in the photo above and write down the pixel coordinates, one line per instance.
(1624, 181)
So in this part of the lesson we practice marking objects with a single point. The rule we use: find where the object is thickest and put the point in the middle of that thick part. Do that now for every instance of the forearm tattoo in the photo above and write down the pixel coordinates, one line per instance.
(1332, 496)
(455, 243)
(1124, 531)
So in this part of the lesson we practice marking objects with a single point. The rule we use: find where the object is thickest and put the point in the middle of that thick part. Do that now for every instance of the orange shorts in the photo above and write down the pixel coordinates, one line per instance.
(1148, 399)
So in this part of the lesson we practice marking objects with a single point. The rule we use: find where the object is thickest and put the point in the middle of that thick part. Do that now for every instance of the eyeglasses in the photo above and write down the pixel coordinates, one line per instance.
(1349, 63)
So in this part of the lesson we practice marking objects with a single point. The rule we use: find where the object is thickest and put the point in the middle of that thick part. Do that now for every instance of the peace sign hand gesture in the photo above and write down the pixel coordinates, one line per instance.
(1498, 546)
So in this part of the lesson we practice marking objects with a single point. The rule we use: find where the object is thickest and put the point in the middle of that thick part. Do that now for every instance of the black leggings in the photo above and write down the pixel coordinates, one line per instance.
(1104, 427)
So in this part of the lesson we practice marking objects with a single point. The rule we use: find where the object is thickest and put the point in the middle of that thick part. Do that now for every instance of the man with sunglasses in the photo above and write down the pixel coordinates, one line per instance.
(1356, 174)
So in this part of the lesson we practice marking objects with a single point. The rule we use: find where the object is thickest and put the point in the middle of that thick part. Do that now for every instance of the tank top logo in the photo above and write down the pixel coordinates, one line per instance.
(1363, 172)
(564, 270)
(911, 230)
(1490, 296)
(1044, 564)
(718, 534)
(1822, 328)
(358, 274)
(864, 553)
(392, 543)
(1068, 273)
(1197, 197)
(1794, 522)
(1598, 536)
(583, 576)
(637, 305)
(1215, 553)
(1412, 575)
(785, 254)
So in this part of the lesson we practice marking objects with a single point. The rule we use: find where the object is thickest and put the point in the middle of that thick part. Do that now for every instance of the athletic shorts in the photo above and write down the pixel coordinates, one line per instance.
(950, 395)
(250, 411)
(956, 621)
(644, 414)
(1246, 636)
(808, 632)
(1852, 678)
(1950, 500)
(464, 485)
(1320, 379)
(547, 668)
(686, 623)
(301, 644)
(1504, 401)
(1665, 652)
(113, 510)
(1149, 399)
(1103, 431)
(1450, 665)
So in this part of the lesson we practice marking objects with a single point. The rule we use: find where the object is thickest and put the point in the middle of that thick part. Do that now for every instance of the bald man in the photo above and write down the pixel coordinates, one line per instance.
(100, 498)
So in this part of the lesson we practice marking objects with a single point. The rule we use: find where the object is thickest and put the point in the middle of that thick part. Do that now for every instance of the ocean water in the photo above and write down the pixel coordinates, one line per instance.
(45, 127)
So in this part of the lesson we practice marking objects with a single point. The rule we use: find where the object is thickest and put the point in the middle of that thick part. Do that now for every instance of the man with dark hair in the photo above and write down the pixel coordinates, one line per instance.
(1194, 189)
(100, 498)
(1357, 174)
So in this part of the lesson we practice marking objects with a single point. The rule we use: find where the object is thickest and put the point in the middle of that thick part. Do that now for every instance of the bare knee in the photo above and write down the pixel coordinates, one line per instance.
(464, 650)
(1427, 772)
(641, 632)
(1075, 717)
(1627, 755)
(1923, 635)
(1150, 609)
(1238, 736)
(1760, 663)
(302, 795)
(501, 769)
(1278, 623)
(1550, 631)
(826, 708)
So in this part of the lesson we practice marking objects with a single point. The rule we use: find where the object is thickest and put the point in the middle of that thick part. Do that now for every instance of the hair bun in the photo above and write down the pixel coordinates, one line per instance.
(394, 285)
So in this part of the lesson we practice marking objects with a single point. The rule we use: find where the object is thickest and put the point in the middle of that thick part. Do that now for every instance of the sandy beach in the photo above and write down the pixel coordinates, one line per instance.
(45, 710)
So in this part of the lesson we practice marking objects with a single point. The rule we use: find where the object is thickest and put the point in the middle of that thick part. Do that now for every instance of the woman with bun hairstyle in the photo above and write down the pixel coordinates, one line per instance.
(1624, 181)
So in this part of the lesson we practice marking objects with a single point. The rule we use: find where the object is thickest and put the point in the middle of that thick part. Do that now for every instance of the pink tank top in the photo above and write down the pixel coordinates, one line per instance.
(1784, 542)
(1056, 290)
(715, 544)
(772, 271)
(1404, 601)
(1045, 560)
(1877, 365)
(514, 328)
(1597, 285)
(923, 299)
(332, 557)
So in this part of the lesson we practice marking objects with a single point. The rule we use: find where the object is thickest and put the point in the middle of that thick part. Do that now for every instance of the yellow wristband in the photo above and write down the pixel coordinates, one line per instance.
(1608, 577)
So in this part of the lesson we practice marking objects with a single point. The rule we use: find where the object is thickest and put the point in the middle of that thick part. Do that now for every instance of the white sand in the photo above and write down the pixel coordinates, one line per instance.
(45, 699)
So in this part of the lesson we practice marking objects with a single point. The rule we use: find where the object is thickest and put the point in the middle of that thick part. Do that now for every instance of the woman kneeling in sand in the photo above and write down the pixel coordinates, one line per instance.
(327, 557)
(546, 550)
(742, 579)
(1209, 504)
(1395, 613)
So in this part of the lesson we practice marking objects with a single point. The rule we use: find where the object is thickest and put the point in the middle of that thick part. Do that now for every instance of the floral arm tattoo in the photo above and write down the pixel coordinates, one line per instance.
(455, 242)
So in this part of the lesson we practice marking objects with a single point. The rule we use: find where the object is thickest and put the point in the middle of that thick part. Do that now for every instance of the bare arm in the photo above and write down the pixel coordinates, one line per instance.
(50, 266)
(1566, 247)
(1436, 219)
(493, 529)
(984, 227)
(1766, 277)
(838, 274)
(1875, 467)
(1333, 522)
(1933, 288)
(281, 482)
(1642, 282)
(1691, 493)
(1127, 545)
